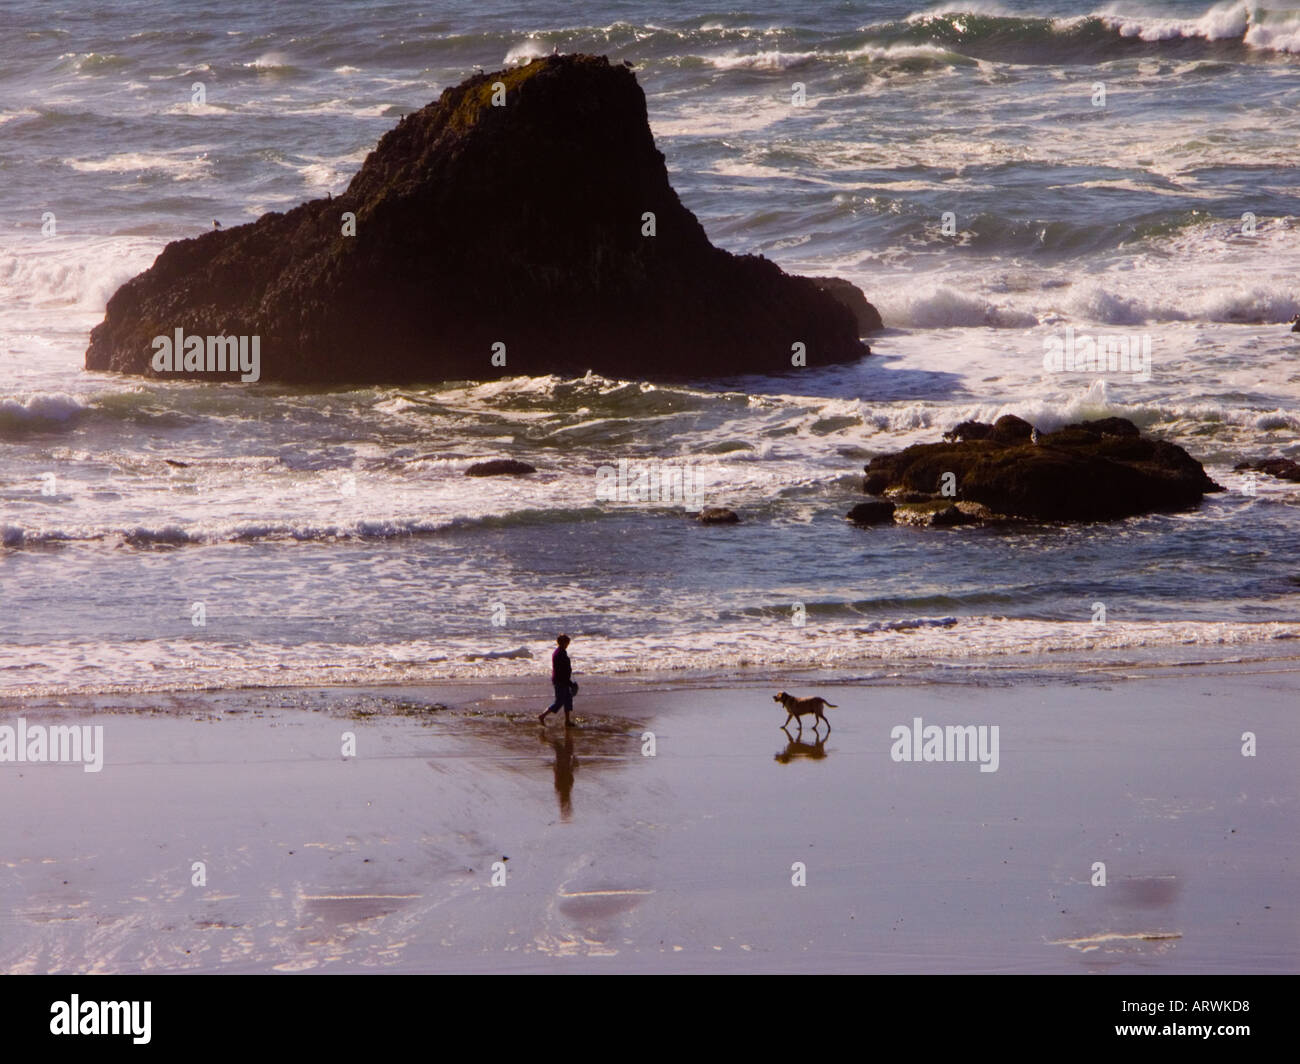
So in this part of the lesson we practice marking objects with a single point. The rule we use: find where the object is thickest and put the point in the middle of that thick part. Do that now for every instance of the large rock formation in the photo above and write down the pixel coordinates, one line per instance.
(1093, 471)
(477, 225)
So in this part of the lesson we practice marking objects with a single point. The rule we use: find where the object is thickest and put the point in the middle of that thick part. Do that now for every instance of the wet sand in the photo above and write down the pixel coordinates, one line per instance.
(683, 861)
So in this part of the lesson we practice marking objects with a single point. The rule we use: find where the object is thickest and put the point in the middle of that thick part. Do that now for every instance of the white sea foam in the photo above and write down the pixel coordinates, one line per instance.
(776, 59)
(181, 164)
(1250, 22)
(923, 642)
(526, 50)
(40, 410)
(271, 61)
(770, 60)
(70, 271)
(937, 306)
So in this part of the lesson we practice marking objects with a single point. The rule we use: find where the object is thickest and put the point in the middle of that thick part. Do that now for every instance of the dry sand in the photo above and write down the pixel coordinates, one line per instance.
(681, 862)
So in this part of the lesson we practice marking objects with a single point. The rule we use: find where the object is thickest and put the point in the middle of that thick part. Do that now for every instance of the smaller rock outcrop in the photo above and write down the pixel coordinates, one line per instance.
(499, 467)
(968, 430)
(1282, 468)
(718, 515)
(872, 513)
(1090, 471)
(1010, 429)
(849, 294)
(943, 513)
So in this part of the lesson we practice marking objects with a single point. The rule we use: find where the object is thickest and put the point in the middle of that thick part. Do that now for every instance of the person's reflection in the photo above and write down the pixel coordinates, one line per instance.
(565, 765)
(795, 748)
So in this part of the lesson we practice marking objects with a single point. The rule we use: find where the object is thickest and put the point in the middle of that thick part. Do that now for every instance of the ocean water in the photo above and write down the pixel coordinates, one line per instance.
(331, 536)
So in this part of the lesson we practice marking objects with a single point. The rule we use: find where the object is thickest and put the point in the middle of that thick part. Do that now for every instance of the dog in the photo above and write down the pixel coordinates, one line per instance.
(797, 707)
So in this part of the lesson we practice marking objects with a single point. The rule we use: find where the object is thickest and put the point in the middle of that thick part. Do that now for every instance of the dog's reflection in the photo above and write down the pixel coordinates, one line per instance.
(796, 747)
(565, 766)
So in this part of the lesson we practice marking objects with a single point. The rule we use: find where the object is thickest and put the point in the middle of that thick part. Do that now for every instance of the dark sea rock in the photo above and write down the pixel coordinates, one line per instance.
(1110, 426)
(479, 225)
(1009, 429)
(872, 513)
(718, 515)
(943, 513)
(1282, 468)
(499, 467)
(969, 430)
(867, 316)
(874, 483)
(1092, 471)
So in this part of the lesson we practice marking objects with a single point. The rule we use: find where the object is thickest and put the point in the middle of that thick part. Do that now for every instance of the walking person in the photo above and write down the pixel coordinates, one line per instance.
(562, 679)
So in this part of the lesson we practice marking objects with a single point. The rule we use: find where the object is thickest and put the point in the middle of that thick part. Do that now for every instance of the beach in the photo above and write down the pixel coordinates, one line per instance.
(684, 861)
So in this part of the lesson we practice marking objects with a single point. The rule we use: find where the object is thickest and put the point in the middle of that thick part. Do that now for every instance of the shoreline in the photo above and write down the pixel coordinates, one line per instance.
(1024, 667)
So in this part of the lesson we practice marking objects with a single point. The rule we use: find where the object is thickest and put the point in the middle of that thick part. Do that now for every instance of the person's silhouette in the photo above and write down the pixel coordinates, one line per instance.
(562, 680)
